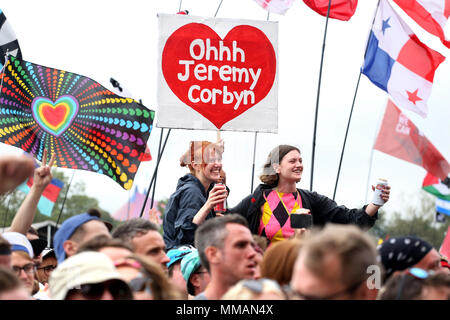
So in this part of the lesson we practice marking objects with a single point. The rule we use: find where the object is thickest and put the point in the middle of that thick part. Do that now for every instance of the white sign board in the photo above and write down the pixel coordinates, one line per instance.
(217, 74)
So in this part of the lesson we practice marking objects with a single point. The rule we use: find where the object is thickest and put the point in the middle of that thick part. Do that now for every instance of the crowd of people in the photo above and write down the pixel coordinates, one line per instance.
(252, 251)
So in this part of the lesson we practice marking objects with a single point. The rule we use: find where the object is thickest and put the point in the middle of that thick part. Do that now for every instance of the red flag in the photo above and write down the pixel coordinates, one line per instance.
(146, 156)
(400, 138)
(430, 15)
(340, 9)
(445, 247)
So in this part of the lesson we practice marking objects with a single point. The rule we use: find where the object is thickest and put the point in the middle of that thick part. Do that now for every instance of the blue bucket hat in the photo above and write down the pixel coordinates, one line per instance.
(68, 228)
(176, 254)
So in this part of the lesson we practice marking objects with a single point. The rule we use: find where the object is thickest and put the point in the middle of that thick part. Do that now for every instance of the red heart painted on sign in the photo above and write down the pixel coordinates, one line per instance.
(248, 53)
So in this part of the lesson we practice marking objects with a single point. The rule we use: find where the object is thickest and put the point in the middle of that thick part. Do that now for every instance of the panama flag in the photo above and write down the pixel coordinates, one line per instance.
(432, 15)
(433, 185)
(397, 62)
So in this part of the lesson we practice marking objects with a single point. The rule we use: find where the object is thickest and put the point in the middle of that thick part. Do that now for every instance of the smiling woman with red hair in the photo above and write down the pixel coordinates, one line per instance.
(190, 205)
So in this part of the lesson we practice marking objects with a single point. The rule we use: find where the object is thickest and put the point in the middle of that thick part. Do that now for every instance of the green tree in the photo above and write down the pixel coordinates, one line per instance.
(414, 220)
(77, 202)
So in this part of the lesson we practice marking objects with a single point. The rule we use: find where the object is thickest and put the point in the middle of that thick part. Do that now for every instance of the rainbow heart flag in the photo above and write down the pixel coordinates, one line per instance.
(87, 126)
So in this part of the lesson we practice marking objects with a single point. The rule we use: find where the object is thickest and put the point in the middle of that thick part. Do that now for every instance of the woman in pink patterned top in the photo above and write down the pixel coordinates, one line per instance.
(268, 209)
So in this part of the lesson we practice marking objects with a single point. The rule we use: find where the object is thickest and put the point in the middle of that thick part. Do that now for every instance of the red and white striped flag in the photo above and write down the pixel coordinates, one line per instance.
(432, 15)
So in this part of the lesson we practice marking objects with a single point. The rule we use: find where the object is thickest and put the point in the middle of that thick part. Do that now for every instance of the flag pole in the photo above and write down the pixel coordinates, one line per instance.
(317, 99)
(179, 8)
(156, 173)
(65, 197)
(156, 170)
(256, 137)
(218, 8)
(353, 104)
(253, 164)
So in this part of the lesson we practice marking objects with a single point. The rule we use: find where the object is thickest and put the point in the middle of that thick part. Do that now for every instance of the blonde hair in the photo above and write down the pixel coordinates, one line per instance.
(243, 290)
(22, 254)
(196, 154)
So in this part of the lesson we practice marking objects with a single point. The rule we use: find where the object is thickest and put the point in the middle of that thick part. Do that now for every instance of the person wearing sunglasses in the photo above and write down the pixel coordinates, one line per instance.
(417, 284)
(146, 278)
(22, 258)
(333, 264)
(195, 275)
(400, 253)
(47, 264)
(88, 276)
(11, 287)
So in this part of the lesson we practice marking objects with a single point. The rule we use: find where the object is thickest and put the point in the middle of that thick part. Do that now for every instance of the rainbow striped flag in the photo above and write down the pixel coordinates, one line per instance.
(49, 196)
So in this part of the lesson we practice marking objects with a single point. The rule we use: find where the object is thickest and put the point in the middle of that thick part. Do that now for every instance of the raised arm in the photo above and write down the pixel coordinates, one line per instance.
(371, 208)
(41, 178)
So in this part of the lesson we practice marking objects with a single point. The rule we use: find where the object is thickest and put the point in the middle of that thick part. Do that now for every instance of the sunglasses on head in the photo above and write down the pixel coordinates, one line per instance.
(415, 273)
(141, 283)
(94, 291)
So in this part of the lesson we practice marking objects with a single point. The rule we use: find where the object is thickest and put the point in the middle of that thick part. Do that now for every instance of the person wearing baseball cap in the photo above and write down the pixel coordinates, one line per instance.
(195, 275)
(88, 275)
(174, 267)
(76, 230)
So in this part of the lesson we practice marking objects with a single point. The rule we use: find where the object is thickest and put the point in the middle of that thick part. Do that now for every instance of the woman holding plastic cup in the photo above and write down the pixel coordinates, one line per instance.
(268, 209)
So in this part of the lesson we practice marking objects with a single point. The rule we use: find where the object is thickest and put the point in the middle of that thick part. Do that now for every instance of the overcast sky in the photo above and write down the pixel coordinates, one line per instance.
(111, 38)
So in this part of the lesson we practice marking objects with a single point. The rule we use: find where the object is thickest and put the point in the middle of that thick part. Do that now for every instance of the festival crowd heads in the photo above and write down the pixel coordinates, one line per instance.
(246, 252)
(278, 243)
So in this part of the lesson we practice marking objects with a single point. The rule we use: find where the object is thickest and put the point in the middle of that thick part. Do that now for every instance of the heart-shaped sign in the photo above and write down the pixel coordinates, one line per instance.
(219, 78)
(55, 117)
